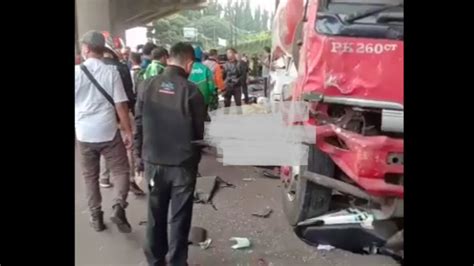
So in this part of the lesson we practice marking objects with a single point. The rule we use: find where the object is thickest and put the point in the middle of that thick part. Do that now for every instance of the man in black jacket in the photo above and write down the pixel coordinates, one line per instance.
(170, 115)
(111, 58)
(244, 70)
(232, 79)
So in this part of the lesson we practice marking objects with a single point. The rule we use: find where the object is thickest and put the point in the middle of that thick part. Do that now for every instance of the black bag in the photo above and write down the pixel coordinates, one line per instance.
(101, 90)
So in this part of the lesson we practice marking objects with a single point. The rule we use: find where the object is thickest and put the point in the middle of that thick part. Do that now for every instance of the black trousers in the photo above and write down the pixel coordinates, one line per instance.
(233, 91)
(245, 90)
(175, 185)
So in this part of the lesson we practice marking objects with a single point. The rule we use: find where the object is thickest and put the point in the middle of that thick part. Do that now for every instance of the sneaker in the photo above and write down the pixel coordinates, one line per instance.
(105, 183)
(118, 217)
(97, 221)
(135, 189)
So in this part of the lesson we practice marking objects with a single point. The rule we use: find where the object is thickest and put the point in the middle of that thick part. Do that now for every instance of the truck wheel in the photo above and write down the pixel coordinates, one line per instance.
(303, 199)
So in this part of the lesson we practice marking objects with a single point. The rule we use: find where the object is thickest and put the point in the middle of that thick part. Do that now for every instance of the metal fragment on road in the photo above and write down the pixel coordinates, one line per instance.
(263, 214)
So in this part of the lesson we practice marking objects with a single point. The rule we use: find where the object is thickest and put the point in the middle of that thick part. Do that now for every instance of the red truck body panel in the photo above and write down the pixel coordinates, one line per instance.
(358, 68)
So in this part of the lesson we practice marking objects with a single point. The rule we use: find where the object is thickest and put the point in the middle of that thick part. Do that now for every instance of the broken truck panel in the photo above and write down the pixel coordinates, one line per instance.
(349, 56)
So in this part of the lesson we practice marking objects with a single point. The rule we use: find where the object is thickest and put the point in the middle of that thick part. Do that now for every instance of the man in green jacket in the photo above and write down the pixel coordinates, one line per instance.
(160, 56)
(202, 76)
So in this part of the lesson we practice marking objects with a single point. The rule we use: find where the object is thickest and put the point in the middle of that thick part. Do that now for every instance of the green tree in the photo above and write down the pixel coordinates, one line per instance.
(257, 21)
(212, 9)
(247, 17)
(265, 20)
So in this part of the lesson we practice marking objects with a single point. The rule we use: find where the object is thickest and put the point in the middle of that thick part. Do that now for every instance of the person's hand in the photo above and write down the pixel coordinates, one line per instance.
(139, 167)
(127, 140)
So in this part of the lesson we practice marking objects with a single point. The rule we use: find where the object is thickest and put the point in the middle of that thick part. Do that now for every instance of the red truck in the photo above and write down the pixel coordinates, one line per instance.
(349, 56)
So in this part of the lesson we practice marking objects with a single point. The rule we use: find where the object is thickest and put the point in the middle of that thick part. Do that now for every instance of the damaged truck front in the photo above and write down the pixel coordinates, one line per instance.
(349, 56)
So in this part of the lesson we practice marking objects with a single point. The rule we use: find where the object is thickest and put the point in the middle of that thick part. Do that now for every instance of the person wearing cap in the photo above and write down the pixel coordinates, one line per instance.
(160, 56)
(170, 116)
(202, 76)
(100, 100)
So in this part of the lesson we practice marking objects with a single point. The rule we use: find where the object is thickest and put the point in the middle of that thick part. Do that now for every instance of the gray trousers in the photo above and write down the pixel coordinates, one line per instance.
(104, 170)
(115, 155)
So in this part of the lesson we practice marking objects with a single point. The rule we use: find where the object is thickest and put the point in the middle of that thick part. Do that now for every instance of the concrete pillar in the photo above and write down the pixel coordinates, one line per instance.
(93, 15)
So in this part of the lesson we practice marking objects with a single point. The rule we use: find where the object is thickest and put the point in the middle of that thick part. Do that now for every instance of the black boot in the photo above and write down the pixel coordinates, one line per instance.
(97, 221)
(118, 217)
(135, 189)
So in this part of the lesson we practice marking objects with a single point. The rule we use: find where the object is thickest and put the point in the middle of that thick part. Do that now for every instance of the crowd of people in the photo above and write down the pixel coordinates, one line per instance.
(143, 113)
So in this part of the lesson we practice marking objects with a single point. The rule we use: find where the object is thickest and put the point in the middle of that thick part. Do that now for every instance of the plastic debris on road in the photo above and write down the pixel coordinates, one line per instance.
(242, 242)
(325, 247)
(205, 245)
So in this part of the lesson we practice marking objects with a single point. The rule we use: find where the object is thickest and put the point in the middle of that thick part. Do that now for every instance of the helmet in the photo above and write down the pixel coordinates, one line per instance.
(198, 53)
(110, 44)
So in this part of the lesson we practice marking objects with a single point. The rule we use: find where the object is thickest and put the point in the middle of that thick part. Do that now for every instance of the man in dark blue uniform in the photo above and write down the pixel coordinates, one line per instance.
(170, 115)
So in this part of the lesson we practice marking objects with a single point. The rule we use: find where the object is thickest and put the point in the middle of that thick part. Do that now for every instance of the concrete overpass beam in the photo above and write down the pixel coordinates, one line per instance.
(93, 15)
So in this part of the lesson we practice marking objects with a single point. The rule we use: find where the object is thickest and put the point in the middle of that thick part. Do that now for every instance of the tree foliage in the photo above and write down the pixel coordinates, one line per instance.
(233, 21)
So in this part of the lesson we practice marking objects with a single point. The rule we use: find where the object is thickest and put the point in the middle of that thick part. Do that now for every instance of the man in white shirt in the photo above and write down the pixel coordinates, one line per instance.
(100, 99)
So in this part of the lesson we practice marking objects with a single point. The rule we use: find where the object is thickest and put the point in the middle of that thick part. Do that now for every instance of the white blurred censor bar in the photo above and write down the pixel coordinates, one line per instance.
(261, 134)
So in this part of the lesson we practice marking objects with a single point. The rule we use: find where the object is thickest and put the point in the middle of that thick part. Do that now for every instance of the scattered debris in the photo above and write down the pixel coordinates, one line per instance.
(205, 245)
(347, 216)
(270, 175)
(372, 250)
(263, 262)
(197, 235)
(263, 214)
(242, 242)
(249, 179)
(206, 188)
(142, 222)
(325, 247)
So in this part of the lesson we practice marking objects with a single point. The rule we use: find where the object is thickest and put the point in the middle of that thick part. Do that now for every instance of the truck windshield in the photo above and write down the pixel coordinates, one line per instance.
(361, 18)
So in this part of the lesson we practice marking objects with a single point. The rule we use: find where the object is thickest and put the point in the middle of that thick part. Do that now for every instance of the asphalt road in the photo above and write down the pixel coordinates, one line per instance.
(271, 238)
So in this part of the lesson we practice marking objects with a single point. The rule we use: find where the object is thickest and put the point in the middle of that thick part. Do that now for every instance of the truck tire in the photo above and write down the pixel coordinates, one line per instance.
(296, 44)
(303, 199)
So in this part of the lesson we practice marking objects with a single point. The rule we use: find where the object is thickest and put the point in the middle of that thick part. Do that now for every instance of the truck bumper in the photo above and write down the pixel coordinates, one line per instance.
(375, 163)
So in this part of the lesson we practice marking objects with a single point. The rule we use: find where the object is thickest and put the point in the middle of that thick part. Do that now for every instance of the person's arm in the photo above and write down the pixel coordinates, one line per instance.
(198, 112)
(138, 137)
(224, 72)
(121, 107)
(123, 111)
